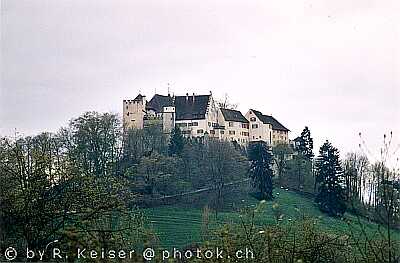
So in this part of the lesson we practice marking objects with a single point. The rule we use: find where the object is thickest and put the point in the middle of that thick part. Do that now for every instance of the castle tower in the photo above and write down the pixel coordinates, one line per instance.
(133, 112)
(168, 118)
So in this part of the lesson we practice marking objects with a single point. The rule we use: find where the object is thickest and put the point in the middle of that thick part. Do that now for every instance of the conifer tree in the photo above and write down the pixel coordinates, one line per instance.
(261, 172)
(330, 181)
(306, 144)
(176, 142)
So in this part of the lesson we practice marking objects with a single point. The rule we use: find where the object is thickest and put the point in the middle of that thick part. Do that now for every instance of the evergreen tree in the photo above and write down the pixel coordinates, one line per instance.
(261, 172)
(305, 144)
(330, 181)
(176, 142)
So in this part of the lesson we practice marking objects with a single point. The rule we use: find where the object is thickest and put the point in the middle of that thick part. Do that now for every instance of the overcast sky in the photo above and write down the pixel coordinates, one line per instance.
(333, 65)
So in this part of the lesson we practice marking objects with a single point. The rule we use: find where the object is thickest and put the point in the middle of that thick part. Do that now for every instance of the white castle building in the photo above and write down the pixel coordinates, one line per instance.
(200, 115)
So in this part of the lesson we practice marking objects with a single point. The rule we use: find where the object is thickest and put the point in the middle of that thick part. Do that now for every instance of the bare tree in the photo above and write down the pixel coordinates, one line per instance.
(225, 103)
(223, 164)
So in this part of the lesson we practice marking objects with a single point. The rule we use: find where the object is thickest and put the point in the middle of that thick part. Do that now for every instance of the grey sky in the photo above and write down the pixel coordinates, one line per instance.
(331, 65)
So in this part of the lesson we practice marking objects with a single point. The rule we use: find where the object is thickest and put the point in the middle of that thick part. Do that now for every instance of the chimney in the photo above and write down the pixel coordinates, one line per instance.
(193, 97)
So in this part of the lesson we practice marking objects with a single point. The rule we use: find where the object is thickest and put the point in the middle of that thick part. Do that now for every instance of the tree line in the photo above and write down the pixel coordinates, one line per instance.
(78, 186)
(354, 184)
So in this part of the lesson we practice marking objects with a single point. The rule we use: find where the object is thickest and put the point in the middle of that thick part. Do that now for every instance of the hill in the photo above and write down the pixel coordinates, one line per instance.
(181, 225)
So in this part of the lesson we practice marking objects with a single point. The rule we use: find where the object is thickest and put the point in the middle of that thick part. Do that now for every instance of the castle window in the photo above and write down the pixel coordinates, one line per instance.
(254, 126)
(127, 114)
(253, 119)
(200, 131)
(195, 123)
(231, 132)
(127, 107)
(212, 132)
(180, 125)
(230, 124)
(222, 132)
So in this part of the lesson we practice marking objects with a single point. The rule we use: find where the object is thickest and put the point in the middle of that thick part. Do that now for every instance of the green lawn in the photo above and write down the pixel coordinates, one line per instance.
(180, 225)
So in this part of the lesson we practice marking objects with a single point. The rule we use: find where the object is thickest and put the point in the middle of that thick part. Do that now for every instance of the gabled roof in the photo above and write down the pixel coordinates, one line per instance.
(191, 107)
(276, 125)
(233, 115)
(139, 97)
(158, 102)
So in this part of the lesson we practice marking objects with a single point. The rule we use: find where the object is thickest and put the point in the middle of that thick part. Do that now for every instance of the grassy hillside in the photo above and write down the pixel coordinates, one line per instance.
(180, 225)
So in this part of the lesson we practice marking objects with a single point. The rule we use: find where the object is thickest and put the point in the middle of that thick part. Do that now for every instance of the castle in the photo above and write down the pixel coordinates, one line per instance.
(200, 115)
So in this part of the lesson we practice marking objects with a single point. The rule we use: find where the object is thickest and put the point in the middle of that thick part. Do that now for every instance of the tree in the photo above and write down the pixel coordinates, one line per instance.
(225, 103)
(94, 143)
(176, 142)
(299, 174)
(158, 173)
(331, 196)
(281, 152)
(355, 168)
(65, 185)
(142, 142)
(30, 206)
(304, 144)
(222, 164)
(261, 172)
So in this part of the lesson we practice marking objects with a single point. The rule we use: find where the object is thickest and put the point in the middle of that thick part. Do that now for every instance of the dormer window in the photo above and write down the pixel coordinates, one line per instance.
(253, 119)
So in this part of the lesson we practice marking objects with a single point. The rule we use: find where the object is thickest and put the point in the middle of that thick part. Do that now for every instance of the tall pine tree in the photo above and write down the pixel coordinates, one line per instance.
(176, 142)
(305, 144)
(331, 197)
(261, 171)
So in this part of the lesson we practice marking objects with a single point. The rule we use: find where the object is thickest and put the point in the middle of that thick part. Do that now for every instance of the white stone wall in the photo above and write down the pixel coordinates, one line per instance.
(192, 128)
(213, 118)
(234, 131)
(168, 118)
(258, 131)
(280, 137)
(133, 113)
